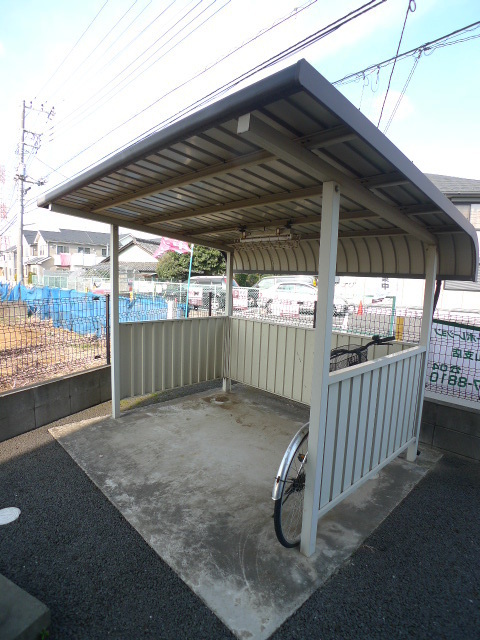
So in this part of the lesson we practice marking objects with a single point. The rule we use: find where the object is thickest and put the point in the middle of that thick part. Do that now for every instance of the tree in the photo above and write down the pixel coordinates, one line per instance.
(173, 267)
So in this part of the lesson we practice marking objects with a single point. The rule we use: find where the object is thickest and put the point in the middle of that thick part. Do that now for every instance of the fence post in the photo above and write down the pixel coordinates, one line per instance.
(210, 296)
(107, 325)
(314, 314)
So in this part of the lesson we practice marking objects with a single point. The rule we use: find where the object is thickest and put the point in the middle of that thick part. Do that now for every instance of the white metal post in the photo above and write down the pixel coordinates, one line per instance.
(227, 383)
(428, 298)
(114, 320)
(321, 363)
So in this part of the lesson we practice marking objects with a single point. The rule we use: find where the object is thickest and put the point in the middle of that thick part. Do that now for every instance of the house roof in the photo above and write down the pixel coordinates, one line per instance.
(37, 259)
(252, 166)
(29, 236)
(457, 188)
(76, 236)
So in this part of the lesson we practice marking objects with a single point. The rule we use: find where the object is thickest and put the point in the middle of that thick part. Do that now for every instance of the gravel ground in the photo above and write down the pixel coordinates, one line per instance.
(417, 576)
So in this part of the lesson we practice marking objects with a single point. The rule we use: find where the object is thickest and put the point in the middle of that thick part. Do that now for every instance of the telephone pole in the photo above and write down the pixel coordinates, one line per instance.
(34, 139)
(21, 176)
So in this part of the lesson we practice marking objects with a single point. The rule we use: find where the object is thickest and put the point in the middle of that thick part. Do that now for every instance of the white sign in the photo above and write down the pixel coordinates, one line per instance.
(453, 366)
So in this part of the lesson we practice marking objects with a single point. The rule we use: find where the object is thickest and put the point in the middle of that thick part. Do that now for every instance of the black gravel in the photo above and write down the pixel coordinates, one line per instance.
(417, 576)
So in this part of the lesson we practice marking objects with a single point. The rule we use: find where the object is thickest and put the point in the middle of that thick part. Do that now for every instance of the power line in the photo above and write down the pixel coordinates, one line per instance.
(72, 49)
(72, 74)
(427, 48)
(411, 3)
(92, 106)
(313, 38)
(109, 62)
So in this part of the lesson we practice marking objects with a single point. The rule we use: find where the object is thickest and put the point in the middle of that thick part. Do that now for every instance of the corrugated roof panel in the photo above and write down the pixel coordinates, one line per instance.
(212, 177)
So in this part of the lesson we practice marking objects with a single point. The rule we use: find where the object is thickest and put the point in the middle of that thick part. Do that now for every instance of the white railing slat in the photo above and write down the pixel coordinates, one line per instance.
(329, 444)
(342, 418)
(366, 390)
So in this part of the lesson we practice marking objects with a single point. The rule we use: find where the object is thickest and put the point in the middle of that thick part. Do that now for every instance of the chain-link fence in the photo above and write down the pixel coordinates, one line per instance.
(48, 332)
(44, 339)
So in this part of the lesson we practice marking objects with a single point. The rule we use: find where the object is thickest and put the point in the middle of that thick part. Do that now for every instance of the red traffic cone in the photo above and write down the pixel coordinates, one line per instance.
(360, 309)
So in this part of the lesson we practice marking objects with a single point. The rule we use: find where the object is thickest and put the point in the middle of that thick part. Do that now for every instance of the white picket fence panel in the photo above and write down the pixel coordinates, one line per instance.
(372, 414)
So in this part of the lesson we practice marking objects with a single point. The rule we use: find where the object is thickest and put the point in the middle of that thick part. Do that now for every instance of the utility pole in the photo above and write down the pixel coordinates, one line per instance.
(21, 177)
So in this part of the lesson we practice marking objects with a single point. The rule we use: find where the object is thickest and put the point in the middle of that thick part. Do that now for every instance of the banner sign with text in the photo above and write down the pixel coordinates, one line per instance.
(453, 366)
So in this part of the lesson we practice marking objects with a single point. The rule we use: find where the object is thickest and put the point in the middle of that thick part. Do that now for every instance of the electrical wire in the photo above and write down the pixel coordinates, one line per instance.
(313, 38)
(94, 105)
(427, 48)
(109, 62)
(72, 49)
(411, 3)
(218, 61)
(402, 93)
(72, 74)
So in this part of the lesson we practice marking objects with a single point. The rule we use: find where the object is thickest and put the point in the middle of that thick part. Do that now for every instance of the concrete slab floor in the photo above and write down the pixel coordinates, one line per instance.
(194, 477)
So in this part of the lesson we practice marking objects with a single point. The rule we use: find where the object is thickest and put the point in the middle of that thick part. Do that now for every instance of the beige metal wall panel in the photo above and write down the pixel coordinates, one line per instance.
(279, 359)
(157, 356)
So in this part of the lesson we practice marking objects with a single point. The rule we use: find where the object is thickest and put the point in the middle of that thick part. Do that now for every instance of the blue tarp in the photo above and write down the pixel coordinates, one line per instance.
(83, 313)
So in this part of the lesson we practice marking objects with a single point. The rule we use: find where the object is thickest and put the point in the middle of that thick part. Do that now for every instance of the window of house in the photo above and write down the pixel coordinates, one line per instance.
(62, 249)
(83, 250)
(104, 252)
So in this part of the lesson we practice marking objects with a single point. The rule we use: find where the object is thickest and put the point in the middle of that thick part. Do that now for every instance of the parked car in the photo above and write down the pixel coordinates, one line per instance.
(201, 286)
(255, 293)
(296, 298)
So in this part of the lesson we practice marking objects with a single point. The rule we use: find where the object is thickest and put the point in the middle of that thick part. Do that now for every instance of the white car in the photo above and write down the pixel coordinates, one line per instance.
(292, 299)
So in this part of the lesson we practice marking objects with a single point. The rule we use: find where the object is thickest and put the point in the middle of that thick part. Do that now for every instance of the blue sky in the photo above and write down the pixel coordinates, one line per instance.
(436, 125)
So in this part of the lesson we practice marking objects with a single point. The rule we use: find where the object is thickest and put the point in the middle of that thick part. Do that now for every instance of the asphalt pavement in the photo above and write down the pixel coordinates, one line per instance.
(417, 576)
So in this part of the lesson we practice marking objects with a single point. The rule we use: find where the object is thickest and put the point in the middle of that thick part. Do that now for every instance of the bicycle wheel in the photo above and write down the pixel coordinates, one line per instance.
(288, 510)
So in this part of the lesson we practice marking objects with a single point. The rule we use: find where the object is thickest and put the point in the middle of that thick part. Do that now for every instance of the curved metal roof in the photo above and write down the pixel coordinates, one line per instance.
(245, 174)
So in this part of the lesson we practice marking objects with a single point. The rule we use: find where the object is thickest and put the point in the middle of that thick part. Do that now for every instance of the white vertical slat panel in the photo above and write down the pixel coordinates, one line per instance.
(256, 353)
(409, 399)
(387, 417)
(379, 417)
(415, 394)
(241, 351)
(235, 328)
(406, 381)
(156, 361)
(353, 426)
(329, 445)
(394, 427)
(371, 416)
(147, 342)
(264, 351)
(299, 365)
(272, 358)
(280, 360)
(397, 382)
(342, 418)
(167, 356)
(248, 355)
(308, 367)
(289, 365)
(365, 392)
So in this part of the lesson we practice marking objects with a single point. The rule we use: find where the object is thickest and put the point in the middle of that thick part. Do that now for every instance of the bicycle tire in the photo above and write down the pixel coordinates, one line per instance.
(288, 509)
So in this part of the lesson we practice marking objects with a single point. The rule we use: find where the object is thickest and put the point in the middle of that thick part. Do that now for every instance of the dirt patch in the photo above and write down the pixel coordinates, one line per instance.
(38, 351)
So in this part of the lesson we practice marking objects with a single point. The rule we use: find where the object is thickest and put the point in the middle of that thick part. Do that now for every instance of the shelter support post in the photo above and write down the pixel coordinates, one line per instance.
(321, 363)
(114, 319)
(227, 383)
(430, 277)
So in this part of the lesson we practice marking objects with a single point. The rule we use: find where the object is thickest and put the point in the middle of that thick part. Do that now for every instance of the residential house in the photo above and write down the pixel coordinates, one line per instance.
(465, 195)
(66, 250)
(136, 257)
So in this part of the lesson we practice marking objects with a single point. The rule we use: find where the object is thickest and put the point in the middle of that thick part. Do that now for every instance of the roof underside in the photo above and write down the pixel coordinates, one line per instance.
(246, 175)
